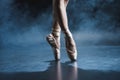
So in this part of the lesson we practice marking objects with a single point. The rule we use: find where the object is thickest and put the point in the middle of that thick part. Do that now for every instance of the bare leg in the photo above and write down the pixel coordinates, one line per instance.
(60, 22)
(54, 37)
(61, 15)
(56, 30)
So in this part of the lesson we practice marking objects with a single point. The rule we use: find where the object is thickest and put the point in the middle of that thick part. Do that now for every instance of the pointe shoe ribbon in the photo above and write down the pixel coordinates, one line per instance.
(51, 40)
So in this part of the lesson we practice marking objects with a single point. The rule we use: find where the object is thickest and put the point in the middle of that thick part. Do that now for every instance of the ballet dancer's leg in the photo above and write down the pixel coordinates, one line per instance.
(60, 22)
(60, 10)
(54, 37)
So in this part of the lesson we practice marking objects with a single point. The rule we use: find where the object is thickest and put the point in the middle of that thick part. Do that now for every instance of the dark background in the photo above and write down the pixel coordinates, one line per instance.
(27, 22)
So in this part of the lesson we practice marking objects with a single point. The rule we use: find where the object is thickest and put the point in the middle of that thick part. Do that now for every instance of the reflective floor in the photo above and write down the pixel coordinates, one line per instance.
(35, 63)
(62, 71)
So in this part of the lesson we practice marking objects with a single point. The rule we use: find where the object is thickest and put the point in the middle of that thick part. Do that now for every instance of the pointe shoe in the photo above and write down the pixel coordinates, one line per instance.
(53, 43)
(71, 48)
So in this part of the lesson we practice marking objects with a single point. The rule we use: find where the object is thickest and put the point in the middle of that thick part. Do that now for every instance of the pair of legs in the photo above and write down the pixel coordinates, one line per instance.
(60, 23)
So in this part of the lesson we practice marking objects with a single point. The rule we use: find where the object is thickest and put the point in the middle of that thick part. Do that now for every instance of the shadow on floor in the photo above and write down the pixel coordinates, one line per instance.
(62, 71)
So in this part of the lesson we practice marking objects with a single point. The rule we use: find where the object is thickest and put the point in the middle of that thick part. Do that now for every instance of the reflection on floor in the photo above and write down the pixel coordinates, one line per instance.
(62, 71)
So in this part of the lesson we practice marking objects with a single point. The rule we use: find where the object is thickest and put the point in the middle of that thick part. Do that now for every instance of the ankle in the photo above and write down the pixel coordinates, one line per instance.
(56, 34)
(67, 33)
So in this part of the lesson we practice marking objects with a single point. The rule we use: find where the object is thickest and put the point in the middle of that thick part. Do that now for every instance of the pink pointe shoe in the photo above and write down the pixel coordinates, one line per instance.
(53, 43)
(71, 48)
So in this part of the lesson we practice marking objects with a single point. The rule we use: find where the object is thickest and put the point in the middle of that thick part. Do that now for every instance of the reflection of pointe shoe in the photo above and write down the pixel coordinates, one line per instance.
(71, 48)
(53, 43)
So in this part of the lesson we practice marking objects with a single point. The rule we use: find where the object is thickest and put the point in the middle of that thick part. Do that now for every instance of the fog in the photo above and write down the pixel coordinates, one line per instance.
(27, 22)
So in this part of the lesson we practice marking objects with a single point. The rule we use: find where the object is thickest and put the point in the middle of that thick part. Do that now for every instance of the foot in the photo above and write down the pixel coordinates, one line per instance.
(71, 48)
(55, 46)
